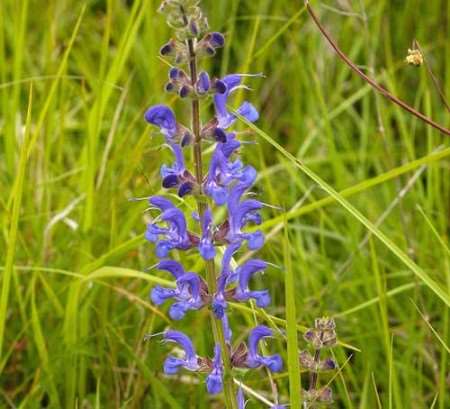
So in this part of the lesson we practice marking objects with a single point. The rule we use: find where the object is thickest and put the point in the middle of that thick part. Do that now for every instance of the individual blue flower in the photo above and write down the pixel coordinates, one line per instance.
(244, 274)
(254, 359)
(175, 235)
(190, 361)
(206, 246)
(242, 212)
(164, 118)
(187, 293)
(224, 117)
(214, 381)
(222, 171)
(177, 176)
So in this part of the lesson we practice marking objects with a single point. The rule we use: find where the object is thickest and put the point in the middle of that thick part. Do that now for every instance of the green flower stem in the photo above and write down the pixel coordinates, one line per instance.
(219, 335)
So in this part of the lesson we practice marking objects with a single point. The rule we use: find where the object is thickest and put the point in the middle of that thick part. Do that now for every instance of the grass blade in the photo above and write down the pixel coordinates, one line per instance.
(419, 272)
(16, 194)
(291, 328)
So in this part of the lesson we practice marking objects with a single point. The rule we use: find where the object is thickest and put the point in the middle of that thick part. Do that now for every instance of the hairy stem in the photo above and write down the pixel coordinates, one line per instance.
(218, 331)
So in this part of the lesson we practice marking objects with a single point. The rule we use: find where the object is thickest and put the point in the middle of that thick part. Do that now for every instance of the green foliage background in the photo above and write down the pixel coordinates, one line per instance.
(74, 306)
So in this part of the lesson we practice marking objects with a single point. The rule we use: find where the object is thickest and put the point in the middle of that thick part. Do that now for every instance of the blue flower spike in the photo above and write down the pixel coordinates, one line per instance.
(222, 227)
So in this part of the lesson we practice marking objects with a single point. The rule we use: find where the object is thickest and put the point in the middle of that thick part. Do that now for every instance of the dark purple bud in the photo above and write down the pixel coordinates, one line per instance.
(220, 135)
(309, 335)
(167, 49)
(185, 189)
(210, 51)
(185, 90)
(186, 140)
(170, 87)
(170, 181)
(173, 73)
(220, 87)
(328, 365)
(203, 83)
(216, 40)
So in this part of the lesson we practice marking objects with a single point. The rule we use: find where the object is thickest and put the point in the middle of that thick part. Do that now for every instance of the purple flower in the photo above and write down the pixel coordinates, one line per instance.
(177, 175)
(175, 235)
(203, 83)
(222, 171)
(214, 381)
(173, 364)
(187, 293)
(247, 110)
(244, 274)
(242, 212)
(254, 359)
(206, 246)
(164, 118)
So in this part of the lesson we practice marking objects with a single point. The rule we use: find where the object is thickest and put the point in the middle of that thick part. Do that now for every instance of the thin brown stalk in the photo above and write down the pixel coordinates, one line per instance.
(383, 91)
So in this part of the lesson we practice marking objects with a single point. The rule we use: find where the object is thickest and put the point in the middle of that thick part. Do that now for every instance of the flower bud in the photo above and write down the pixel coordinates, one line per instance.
(168, 49)
(185, 189)
(185, 91)
(203, 83)
(216, 40)
(170, 87)
(327, 365)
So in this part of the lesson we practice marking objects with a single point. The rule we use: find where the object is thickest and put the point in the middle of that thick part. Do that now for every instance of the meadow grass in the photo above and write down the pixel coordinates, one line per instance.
(363, 191)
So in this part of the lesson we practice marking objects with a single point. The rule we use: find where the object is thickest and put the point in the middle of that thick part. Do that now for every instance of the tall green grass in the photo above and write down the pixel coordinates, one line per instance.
(364, 192)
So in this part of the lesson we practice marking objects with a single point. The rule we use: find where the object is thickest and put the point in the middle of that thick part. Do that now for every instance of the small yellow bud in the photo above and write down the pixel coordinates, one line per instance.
(414, 57)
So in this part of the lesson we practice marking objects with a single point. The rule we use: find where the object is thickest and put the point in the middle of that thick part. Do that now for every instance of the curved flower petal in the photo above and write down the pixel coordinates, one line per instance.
(190, 360)
(172, 266)
(164, 118)
(172, 365)
(245, 272)
(160, 295)
(161, 203)
(175, 236)
(254, 359)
